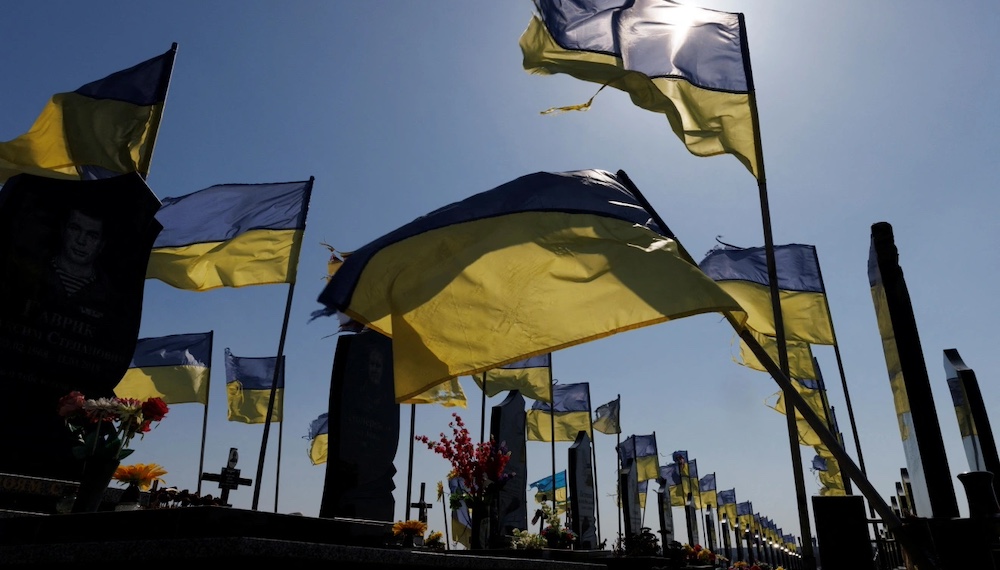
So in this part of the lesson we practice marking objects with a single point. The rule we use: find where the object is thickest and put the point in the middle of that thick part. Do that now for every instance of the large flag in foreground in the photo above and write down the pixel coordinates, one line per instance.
(531, 376)
(570, 413)
(685, 62)
(742, 272)
(175, 368)
(231, 235)
(248, 387)
(103, 129)
(546, 261)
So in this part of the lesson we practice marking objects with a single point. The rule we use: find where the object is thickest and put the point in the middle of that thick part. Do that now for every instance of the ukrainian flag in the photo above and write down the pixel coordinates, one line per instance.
(102, 129)
(547, 487)
(800, 355)
(570, 413)
(543, 262)
(607, 417)
(671, 477)
(744, 514)
(641, 448)
(248, 386)
(685, 62)
(727, 505)
(319, 436)
(231, 235)
(532, 377)
(743, 274)
(449, 394)
(707, 494)
(175, 368)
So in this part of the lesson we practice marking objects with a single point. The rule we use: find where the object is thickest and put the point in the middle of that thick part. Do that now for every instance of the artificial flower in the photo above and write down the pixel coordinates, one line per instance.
(411, 527)
(141, 474)
(104, 427)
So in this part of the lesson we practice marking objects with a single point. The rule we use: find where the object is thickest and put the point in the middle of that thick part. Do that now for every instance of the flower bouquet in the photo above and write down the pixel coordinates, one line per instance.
(103, 429)
(480, 469)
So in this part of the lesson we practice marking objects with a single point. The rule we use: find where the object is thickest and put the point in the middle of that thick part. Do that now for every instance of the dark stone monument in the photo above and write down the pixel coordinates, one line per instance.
(628, 491)
(973, 422)
(74, 256)
(363, 434)
(923, 446)
(842, 532)
(582, 499)
(665, 510)
(507, 426)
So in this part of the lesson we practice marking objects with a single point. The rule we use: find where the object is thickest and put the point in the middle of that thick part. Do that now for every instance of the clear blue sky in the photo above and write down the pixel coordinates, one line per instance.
(869, 112)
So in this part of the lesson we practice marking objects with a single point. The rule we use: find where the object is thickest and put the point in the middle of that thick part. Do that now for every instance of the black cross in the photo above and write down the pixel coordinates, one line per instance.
(421, 505)
(229, 478)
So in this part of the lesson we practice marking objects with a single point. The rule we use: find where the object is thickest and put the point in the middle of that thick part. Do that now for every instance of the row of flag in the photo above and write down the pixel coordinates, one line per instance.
(177, 368)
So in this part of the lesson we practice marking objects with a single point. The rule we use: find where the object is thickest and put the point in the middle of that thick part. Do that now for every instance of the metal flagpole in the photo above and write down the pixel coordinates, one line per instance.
(618, 486)
(277, 463)
(482, 425)
(593, 470)
(552, 431)
(204, 418)
(279, 367)
(409, 467)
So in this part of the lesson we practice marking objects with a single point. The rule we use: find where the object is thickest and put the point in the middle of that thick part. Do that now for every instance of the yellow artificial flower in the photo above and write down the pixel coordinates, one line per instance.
(140, 474)
(413, 527)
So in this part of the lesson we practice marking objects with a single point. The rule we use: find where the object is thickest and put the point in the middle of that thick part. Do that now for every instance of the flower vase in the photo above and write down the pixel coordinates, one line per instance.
(129, 500)
(480, 526)
(408, 540)
(94, 482)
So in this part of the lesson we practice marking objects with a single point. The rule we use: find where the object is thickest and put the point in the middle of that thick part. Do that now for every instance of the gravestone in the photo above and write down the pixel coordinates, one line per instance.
(363, 434)
(628, 491)
(974, 423)
(933, 490)
(581, 492)
(507, 426)
(666, 513)
(74, 256)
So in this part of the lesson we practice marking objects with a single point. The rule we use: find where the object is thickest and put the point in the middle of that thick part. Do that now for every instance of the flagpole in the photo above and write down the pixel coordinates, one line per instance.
(618, 494)
(444, 514)
(204, 417)
(552, 431)
(409, 468)
(593, 470)
(277, 464)
(482, 415)
(169, 70)
(280, 365)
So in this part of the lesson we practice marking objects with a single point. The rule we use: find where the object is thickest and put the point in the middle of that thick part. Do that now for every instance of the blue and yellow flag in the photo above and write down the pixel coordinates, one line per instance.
(546, 261)
(546, 487)
(448, 394)
(531, 376)
(804, 310)
(319, 436)
(102, 129)
(744, 514)
(800, 355)
(685, 62)
(248, 386)
(176, 368)
(461, 517)
(727, 505)
(642, 449)
(706, 492)
(570, 413)
(670, 478)
(231, 235)
(606, 417)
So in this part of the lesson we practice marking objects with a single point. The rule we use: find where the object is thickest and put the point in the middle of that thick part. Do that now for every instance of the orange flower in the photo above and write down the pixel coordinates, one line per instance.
(413, 527)
(140, 474)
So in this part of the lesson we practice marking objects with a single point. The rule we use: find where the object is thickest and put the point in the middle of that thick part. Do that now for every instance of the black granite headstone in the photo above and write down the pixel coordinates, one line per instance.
(665, 510)
(363, 433)
(628, 492)
(581, 492)
(974, 423)
(923, 446)
(507, 426)
(74, 256)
